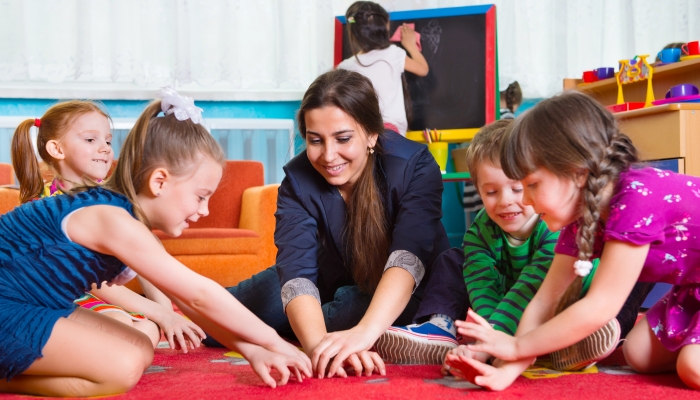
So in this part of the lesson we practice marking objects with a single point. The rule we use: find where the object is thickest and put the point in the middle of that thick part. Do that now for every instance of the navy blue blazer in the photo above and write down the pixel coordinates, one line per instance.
(311, 216)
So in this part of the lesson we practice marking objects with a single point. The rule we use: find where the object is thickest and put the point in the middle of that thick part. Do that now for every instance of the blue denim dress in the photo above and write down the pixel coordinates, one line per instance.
(42, 272)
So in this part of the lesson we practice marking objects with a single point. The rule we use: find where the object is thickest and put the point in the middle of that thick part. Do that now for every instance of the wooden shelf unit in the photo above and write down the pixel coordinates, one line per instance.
(669, 131)
(663, 79)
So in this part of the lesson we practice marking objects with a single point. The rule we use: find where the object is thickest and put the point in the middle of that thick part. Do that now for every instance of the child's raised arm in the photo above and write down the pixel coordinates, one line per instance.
(416, 63)
(95, 227)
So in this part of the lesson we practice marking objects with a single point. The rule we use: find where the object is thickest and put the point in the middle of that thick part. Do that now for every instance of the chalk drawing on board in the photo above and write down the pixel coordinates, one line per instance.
(432, 33)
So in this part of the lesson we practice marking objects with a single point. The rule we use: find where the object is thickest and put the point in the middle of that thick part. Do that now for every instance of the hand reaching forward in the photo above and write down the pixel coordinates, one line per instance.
(346, 348)
(263, 361)
(488, 340)
(179, 331)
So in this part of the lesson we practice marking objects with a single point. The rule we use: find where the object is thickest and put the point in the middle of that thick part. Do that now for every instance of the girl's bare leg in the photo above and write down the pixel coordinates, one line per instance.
(688, 367)
(87, 354)
(645, 353)
(146, 326)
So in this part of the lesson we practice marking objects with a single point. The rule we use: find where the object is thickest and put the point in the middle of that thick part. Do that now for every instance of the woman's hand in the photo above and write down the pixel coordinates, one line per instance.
(489, 340)
(408, 37)
(346, 348)
(263, 361)
(179, 331)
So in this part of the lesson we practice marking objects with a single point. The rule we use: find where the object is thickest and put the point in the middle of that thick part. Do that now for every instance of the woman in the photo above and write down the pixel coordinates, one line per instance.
(358, 230)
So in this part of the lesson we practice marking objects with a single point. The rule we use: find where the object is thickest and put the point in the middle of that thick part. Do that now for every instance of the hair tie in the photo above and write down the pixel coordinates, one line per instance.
(183, 107)
(583, 267)
(351, 20)
(37, 122)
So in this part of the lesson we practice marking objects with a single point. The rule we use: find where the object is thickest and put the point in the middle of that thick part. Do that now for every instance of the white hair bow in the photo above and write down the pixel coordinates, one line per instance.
(583, 267)
(183, 107)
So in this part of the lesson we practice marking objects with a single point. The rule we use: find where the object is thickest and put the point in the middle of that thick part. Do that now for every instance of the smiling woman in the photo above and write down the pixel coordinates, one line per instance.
(358, 230)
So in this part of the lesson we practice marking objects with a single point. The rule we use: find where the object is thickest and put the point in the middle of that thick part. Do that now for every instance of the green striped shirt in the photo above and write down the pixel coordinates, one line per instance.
(502, 279)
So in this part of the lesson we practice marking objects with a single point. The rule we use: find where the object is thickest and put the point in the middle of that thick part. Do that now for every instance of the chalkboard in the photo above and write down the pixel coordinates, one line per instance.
(459, 44)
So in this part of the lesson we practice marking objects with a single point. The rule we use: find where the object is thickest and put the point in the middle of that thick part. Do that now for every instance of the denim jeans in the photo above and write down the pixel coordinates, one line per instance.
(261, 294)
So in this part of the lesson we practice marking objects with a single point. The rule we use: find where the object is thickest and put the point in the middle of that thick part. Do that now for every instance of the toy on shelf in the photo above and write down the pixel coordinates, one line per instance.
(635, 70)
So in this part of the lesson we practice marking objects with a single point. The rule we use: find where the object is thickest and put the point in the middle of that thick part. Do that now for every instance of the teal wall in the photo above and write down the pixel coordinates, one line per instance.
(132, 108)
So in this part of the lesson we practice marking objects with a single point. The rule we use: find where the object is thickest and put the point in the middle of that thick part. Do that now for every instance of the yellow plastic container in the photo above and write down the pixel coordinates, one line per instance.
(440, 153)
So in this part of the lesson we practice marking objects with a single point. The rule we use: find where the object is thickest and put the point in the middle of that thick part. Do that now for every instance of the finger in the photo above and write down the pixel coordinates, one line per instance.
(171, 340)
(378, 363)
(264, 373)
(284, 371)
(354, 362)
(324, 358)
(181, 341)
(308, 368)
(342, 373)
(340, 358)
(479, 319)
(367, 362)
(297, 373)
(198, 330)
(481, 368)
(316, 356)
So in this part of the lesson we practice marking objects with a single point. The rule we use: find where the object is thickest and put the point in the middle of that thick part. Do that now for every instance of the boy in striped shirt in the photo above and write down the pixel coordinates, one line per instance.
(507, 252)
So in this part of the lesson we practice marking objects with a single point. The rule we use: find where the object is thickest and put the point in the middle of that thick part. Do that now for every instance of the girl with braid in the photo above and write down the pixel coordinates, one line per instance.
(582, 175)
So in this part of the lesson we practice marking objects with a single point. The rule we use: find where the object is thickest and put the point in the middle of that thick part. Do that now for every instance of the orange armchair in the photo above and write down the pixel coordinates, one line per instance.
(9, 197)
(7, 176)
(236, 240)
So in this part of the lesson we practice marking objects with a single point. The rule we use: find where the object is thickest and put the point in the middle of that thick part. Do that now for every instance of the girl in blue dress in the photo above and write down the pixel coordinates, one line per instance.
(53, 249)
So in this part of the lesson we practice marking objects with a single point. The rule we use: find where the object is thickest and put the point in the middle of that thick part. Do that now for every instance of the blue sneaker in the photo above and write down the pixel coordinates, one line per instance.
(415, 344)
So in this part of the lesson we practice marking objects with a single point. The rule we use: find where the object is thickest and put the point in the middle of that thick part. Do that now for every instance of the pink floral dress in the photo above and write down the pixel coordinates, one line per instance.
(662, 209)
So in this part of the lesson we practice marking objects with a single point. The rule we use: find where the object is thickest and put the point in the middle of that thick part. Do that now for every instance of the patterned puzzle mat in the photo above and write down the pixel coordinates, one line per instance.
(208, 373)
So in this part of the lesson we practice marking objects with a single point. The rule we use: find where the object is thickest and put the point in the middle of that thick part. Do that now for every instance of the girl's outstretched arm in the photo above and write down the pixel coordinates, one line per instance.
(95, 227)
(154, 294)
(540, 332)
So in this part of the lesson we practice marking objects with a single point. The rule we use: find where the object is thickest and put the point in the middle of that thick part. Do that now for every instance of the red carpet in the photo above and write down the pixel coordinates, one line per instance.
(208, 374)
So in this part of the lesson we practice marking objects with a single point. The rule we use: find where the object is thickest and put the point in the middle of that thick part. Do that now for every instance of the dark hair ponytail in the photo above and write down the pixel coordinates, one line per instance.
(367, 27)
(571, 134)
(366, 229)
(513, 96)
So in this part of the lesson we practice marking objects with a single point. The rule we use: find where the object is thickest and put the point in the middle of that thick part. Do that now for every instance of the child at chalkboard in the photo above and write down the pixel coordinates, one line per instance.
(511, 97)
(382, 62)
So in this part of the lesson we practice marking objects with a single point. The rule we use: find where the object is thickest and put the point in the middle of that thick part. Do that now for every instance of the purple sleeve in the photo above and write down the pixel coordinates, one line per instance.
(566, 244)
(637, 213)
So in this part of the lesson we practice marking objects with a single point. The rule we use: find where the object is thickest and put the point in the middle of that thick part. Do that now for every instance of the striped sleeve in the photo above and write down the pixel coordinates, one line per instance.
(509, 311)
(482, 279)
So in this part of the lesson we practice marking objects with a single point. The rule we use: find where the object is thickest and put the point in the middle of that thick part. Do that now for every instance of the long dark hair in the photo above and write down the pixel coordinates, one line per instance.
(368, 31)
(366, 229)
(570, 134)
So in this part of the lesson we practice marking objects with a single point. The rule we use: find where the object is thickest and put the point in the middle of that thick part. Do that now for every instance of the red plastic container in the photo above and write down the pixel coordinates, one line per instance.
(625, 107)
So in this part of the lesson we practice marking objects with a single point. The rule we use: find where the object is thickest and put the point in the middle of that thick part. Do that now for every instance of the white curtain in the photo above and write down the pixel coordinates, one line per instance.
(273, 49)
